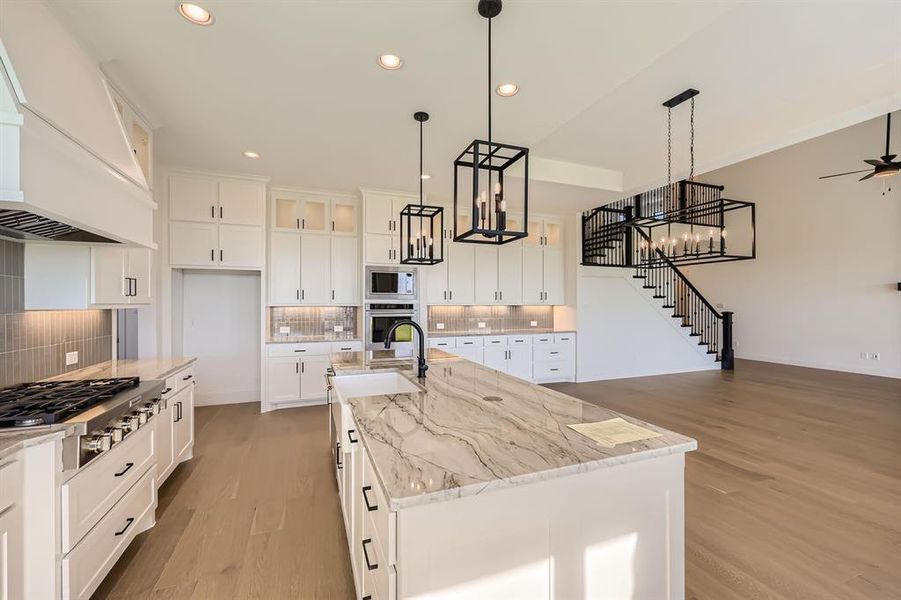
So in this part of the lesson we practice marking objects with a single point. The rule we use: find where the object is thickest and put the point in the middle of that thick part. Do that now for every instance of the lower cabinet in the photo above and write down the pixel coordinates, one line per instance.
(174, 428)
(540, 358)
(295, 373)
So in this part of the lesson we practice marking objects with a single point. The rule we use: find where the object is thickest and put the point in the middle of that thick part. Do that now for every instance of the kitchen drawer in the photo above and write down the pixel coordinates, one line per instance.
(470, 341)
(380, 577)
(302, 349)
(384, 520)
(88, 495)
(85, 567)
(348, 346)
(184, 378)
(543, 338)
(556, 369)
(443, 342)
(495, 341)
(11, 483)
(519, 340)
(544, 352)
(568, 339)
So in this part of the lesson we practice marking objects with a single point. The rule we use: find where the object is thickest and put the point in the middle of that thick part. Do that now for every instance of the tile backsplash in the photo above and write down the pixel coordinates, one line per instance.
(33, 344)
(312, 323)
(497, 319)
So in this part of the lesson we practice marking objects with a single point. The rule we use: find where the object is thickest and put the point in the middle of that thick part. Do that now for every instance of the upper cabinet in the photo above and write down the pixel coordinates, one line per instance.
(313, 212)
(542, 253)
(216, 222)
(381, 221)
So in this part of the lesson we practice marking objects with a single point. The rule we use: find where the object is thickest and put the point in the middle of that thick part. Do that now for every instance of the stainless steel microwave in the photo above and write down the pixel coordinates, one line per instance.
(391, 283)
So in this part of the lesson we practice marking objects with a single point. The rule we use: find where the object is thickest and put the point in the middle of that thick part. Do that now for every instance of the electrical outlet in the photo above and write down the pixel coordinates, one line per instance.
(864, 356)
(284, 330)
(874, 356)
(481, 324)
(439, 325)
(339, 328)
(72, 358)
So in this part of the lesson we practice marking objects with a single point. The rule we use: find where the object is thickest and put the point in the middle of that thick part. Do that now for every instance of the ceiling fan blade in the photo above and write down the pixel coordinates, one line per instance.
(842, 174)
(866, 176)
(874, 162)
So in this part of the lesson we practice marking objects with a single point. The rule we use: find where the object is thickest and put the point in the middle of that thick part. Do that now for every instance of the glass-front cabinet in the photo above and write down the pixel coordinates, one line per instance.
(310, 212)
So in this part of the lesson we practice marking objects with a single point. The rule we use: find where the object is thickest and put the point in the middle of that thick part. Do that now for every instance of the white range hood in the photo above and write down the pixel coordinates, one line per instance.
(67, 171)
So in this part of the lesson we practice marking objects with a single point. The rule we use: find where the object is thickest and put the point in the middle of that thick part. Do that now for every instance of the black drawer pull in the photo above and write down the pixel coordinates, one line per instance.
(186, 377)
(300, 350)
(128, 523)
(167, 390)
(369, 507)
(346, 348)
(128, 466)
(369, 565)
(338, 462)
(554, 352)
(554, 370)
(350, 438)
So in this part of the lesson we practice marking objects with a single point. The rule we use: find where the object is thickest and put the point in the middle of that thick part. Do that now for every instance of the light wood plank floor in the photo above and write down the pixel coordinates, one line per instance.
(795, 492)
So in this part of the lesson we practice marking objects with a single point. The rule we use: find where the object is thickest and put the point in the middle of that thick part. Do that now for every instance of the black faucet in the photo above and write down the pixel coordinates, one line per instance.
(421, 367)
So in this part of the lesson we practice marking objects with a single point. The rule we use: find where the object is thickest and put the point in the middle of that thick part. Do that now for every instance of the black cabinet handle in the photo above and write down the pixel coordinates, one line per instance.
(167, 390)
(212, 255)
(350, 438)
(297, 367)
(186, 377)
(302, 367)
(178, 412)
(300, 350)
(338, 462)
(303, 223)
(369, 507)
(369, 565)
(128, 523)
(127, 468)
(212, 212)
(220, 255)
(220, 211)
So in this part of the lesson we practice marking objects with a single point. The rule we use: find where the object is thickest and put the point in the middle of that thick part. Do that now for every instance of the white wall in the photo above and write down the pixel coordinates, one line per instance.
(823, 288)
(221, 328)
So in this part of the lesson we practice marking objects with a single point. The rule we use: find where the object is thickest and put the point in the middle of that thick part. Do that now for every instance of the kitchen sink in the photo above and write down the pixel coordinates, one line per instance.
(373, 384)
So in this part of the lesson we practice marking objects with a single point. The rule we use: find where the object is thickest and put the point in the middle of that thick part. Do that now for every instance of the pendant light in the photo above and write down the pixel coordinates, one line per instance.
(480, 184)
(421, 226)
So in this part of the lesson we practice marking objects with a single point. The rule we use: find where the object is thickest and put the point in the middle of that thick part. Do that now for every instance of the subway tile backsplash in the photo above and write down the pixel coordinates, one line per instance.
(310, 323)
(459, 320)
(33, 344)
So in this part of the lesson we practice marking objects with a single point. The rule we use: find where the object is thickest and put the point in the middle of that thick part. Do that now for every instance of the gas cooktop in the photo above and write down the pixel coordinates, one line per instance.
(46, 403)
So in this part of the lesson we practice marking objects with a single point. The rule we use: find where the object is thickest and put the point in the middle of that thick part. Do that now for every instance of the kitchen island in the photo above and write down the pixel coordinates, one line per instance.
(470, 483)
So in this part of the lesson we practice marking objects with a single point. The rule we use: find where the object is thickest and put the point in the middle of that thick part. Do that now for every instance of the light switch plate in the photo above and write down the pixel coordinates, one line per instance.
(339, 328)
(284, 330)
(481, 324)
(533, 323)
(439, 325)
(72, 358)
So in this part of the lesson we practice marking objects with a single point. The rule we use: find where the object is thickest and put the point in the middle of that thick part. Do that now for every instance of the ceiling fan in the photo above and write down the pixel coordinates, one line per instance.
(884, 167)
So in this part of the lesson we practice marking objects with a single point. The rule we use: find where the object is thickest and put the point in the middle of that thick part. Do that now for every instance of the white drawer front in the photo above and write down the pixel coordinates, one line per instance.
(442, 342)
(348, 346)
(543, 338)
(305, 349)
(495, 341)
(545, 352)
(184, 378)
(384, 521)
(470, 341)
(11, 483)
(95, 489)
(379, 575)
(85, 567)
(552, 370)
(568, 339)
(519, 340)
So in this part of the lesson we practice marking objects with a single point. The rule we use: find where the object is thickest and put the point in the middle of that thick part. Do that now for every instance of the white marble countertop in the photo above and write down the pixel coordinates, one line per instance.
(145, 368)
(474, 429)
(11, 441)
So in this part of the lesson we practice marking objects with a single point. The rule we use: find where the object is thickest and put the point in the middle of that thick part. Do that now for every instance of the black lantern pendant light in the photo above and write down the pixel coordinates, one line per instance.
(479, 177)
(421, 226)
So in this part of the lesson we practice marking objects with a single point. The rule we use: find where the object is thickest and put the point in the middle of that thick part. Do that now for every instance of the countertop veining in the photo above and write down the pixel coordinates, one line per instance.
(145, 368)
(475, 429)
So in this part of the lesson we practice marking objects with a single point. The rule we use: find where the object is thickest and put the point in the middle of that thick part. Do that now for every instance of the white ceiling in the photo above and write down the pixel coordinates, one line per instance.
(297, 82)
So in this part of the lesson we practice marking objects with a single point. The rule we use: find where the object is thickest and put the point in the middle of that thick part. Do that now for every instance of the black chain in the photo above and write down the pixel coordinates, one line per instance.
(691, 174)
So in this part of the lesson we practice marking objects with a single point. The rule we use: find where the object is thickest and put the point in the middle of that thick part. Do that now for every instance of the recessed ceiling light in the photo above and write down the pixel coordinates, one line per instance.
(425, 176)
(251, 154)
(195, 14)
(391, 62)
(507, 89)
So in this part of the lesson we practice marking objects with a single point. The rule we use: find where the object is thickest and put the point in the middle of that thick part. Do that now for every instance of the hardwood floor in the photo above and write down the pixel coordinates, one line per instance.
(255, 514)
(794, 492)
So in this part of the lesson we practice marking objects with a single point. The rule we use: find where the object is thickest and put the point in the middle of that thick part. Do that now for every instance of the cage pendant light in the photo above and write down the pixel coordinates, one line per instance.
(491, 179)
(421, 226)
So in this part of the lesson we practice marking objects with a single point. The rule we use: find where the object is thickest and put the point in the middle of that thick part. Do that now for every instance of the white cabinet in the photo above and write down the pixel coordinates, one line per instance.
(183, 420)
(216, 222)
(313, 212)
(345, 271)
(510, 273)
(12, 529)
(312, 377)
(284, 268)
(380, 249)
(381, 225)
(382, 212)
(436, 280)
(514, 360)
(283, 379)
(485, 276)
(295, 373)
(315, 270)
(109, 284)
(542, 358)
(460, 273)
(542, 258)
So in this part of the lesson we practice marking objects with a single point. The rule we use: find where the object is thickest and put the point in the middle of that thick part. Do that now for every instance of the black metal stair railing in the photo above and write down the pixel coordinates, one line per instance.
(658, 273)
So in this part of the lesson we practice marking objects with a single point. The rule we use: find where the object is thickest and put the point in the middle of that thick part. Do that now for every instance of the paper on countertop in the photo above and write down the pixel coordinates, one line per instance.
(614, 431)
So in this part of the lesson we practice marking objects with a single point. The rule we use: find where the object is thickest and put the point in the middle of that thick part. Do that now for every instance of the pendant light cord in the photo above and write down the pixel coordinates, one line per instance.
(489, 91)
(420, 164)
(691, 146)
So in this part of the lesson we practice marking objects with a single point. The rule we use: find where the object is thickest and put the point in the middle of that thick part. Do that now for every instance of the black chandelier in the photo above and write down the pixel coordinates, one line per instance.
(421, 224)
(479, 177)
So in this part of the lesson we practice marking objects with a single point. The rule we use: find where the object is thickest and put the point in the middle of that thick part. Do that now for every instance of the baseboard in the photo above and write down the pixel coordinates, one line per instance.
(217, 398)
(781, 360)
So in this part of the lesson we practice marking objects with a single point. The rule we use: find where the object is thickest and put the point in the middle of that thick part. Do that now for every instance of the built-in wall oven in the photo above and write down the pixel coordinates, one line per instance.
(378, 319)
(391, 284)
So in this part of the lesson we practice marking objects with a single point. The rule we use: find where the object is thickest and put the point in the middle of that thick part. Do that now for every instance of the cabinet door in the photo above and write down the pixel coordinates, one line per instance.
(435, 282)
(193, 244)
(285, 213)
(108, 275)
(460, 280)
(314, 269)
(139, 262)
(240, 246)
(532, 274)
(380, 216)
(183, 432)
(241, 202)
(535, 229)
(485, 275)
(314, 215)
(312, 377)
(553, 234)
(509, 273)
(193, 199)
(345, 274)
(282, 379)
(164, 441)
(519, 362)
(12, 554)
(553, 275)
(496, 358)
(284, 268)
(344, 217)
(379, 249)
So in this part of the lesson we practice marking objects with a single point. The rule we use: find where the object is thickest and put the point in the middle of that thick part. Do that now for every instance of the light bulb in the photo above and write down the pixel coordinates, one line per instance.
(390, 62)
(195, 14)
(497, 187)
(724, 233)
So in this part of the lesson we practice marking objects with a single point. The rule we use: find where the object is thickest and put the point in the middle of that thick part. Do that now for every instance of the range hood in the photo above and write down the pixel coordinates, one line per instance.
(67, 172)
